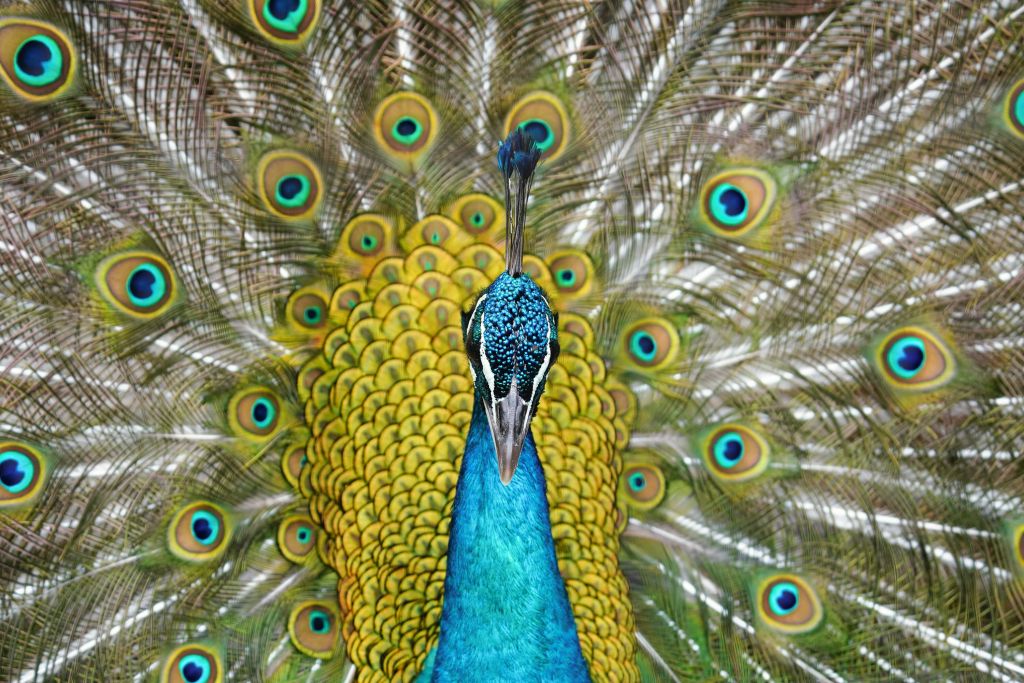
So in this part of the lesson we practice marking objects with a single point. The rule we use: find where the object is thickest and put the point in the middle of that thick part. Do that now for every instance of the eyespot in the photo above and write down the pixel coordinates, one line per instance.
(643, 486)
(193, 664)
(199, 532)
(292, 463)
(254, 413)
(913, 358)
(289, 184)
(363, 237)
(285, 22)
(137, 283)
(786, 603)
(572, 272)
(651, 343)
(435, 232)
(296, 538)
(543, 117)
(313, 627)
(36, 59)
(736, 202)
(308, 310)
(477, 213)
(405, 126)
(1014, 113)
(734, 453)
(346, 297)
(22, 473)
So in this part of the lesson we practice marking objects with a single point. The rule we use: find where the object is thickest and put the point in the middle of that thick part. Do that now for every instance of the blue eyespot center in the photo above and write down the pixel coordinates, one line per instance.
(33, 56)
(407, 130)
(729, 205)
(141, 284)
(205, 527)
(784, 598)
(477, 219)
(16, 470)
(637, 481)
(38, 61)
(733, 202)
(285, 15)
(280, 9)
(538, 130)
(1018, 108)
(312, 314)
(290, 186)
(319, 622)
(729, 450)
(146, 285)
(194, 669)
(263, 413)
(304, 534)
(644, 346)
(906, 357)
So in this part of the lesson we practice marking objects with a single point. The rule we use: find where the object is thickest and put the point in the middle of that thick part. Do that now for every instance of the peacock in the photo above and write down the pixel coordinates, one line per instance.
(494, 340)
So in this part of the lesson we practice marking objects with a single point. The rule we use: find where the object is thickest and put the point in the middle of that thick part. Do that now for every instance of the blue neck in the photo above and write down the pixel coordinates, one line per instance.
(506, 615)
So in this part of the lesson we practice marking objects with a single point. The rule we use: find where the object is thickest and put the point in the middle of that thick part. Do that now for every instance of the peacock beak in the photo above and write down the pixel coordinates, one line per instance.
(509, 418)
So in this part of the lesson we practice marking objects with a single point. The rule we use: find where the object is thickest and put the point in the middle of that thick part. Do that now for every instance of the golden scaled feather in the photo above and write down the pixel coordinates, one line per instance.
(784, 238)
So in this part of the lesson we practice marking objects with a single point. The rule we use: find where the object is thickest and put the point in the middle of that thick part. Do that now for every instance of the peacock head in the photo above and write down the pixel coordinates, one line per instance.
(511, 334)
(511, 338)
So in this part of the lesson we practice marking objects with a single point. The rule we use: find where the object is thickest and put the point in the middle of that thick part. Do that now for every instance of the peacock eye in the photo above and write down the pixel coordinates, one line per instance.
(345, 299)
(788, 604)
(314, 629)
(36, 59)
(540, 131)
(542, 116)
(913, 358)
(285, 22)
(296, 537)
(651, 343)
(643, 486)
(405, 126)
(319, 622)
(199, 532)
(735, 202)
(289, 184)
(476, 213)
(435, 231)
(195, 669)
(309, 310)
(138, 284)
(365, 236)
(572, 272)
(734, 453)
(192, 664)
(22, 472)
(1015, 108)
(407, 130)
(254, 413)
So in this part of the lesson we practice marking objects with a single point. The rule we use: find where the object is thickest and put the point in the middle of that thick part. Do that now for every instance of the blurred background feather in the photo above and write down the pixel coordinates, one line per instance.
(785, 239)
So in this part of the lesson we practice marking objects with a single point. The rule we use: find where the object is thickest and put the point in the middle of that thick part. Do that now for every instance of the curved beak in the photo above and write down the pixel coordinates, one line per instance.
(509, 418)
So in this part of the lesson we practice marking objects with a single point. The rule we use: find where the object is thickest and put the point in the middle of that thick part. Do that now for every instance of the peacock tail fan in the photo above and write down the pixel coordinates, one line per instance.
(783, 241)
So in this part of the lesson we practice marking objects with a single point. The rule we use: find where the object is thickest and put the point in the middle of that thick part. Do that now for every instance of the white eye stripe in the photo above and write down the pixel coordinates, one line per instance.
(472, 316)
(543, 366)
(485, 362)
